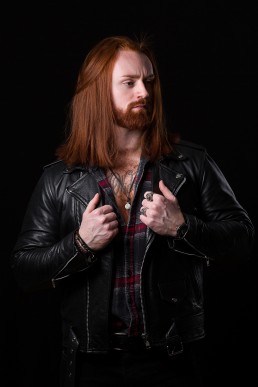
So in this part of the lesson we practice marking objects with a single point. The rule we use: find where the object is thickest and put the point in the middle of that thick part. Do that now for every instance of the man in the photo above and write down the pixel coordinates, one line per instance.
(125, 221)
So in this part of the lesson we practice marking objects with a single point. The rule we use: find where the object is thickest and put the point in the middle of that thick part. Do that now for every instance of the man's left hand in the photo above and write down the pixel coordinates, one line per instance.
(161, 213)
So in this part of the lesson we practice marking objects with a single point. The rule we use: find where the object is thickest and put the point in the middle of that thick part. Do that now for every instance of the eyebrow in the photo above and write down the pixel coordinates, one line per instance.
(136, 76)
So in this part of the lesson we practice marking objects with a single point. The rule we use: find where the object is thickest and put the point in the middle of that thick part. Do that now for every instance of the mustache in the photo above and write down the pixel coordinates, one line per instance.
(142, 101)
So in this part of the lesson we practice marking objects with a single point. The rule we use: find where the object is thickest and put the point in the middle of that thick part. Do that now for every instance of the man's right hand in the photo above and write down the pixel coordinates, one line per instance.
(99, 225)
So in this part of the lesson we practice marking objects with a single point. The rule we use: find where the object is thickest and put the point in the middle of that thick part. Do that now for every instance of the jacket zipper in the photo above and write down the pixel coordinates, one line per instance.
(145, 335)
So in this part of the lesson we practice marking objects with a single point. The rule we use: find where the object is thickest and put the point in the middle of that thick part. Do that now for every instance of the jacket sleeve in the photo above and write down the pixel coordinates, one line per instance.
(41, 255)
(221, 228)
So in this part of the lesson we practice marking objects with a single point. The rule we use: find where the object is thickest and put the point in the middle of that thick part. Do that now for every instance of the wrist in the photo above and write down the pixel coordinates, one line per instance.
(82, 245)
(181, 231)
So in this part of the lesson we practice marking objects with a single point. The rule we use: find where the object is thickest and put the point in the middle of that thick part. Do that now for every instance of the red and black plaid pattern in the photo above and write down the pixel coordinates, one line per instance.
(129, 250)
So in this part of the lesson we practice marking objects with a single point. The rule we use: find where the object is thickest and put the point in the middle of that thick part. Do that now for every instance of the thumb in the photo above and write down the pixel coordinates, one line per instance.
(92, 204)
(166, 192)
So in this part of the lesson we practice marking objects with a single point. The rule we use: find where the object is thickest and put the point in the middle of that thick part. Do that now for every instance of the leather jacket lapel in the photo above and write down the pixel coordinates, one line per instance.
(84, 189)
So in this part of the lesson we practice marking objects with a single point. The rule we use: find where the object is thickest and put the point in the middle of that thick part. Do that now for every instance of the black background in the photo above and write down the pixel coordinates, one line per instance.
(207, 56)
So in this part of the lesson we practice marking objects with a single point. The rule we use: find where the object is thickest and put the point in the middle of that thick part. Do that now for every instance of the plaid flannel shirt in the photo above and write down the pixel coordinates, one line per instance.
(129, 249)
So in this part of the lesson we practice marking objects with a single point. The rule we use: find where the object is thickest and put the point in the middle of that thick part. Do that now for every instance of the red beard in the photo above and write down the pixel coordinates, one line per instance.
(134, 119)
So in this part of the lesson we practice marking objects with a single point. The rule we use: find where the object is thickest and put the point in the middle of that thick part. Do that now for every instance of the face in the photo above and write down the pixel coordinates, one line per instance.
(132, 85)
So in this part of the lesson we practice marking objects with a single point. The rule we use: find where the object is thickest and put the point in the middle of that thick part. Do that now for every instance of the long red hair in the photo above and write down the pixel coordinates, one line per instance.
(92, 137)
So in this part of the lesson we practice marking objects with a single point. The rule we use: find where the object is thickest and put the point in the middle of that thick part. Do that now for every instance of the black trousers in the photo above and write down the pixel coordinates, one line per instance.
(152, 368)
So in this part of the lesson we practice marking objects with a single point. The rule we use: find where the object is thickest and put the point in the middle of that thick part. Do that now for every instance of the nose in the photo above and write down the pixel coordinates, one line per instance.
(142, 91)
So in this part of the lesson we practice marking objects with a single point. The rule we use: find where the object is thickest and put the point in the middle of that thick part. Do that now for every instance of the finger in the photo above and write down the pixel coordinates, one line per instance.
(92, 204)
(166, 192)
(113, 225)
(143, 211)
(148, 196)
(106, 209)
(110, 217)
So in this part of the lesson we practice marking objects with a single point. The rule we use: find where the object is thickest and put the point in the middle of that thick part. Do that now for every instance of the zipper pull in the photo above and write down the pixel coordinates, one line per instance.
(146, 340)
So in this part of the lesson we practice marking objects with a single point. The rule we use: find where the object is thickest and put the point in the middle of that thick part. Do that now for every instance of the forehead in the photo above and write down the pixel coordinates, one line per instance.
(132, 63)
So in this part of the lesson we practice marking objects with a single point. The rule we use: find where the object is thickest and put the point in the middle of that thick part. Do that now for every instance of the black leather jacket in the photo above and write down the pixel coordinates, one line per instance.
(172, 272)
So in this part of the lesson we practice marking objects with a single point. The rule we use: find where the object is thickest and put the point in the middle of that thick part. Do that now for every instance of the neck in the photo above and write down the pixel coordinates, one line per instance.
(129, 141)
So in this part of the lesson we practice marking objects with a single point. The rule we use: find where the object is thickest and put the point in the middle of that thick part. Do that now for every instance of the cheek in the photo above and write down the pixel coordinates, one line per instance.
(116, 97)
(120, 101)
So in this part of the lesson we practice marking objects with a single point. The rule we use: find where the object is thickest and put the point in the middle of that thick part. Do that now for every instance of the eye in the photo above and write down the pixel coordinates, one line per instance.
(129, 83)
(149, 80)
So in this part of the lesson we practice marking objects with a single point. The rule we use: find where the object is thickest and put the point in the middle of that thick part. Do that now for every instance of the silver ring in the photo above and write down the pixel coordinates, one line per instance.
(149, 196)
(143, 211)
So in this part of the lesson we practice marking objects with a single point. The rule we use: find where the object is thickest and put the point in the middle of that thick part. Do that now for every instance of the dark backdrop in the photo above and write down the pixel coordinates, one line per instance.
(207, 55)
